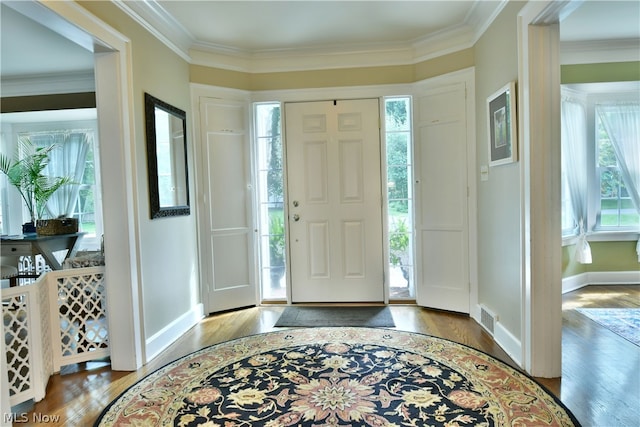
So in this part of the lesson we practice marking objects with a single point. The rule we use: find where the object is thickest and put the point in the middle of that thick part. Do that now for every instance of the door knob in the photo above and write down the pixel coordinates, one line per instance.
(295, 203)
(296, 217)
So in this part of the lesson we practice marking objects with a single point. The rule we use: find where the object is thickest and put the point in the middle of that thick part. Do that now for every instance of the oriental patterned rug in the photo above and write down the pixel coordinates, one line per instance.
(337, 376)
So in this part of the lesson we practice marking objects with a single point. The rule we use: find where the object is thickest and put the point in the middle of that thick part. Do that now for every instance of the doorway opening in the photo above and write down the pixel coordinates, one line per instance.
(271, 221)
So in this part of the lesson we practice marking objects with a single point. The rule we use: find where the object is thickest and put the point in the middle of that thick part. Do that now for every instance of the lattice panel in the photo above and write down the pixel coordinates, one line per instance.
(16, 337)
(45, 329)
(82, 314)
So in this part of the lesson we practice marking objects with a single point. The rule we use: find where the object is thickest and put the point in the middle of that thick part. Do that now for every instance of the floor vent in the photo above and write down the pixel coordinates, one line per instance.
(487, 319)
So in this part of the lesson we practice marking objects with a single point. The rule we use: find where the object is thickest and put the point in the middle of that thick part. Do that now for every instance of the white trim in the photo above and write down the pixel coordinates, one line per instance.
(603, 236)
(114, 99)
(539, 149)
(600, 51)
(317, 94)
(166, 336)
(581, 280)
(155, 19)
(162, 25)
(508, 342)
(49, 84)
(466, 76)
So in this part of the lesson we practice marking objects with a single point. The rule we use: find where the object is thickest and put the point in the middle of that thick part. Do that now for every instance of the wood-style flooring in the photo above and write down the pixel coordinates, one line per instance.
(600, 377)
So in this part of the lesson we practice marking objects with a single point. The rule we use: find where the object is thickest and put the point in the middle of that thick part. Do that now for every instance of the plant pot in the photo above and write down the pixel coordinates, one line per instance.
(52, 227)
(28, 228)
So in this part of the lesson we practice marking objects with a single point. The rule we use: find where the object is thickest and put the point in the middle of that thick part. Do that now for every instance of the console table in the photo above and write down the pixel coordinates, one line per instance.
(32, 245)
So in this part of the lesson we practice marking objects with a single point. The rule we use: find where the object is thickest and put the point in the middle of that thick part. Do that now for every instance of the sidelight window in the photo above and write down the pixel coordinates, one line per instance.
(270, 201)
(399, 197)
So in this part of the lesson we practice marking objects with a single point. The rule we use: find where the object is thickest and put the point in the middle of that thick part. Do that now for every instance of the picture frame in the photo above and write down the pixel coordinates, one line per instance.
(501, 125)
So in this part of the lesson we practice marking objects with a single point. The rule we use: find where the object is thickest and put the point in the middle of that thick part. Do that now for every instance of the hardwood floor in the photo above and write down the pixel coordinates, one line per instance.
(600, 382)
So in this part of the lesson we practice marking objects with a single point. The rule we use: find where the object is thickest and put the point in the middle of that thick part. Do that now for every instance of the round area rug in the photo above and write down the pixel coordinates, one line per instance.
(337, 377)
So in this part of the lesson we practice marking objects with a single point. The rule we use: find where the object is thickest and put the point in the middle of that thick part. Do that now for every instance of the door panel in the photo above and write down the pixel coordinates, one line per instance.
(442, 217)
(228, 260)
(335, 213)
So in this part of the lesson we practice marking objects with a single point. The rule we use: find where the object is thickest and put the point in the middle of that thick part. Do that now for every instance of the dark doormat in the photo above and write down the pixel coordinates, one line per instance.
(336, 316)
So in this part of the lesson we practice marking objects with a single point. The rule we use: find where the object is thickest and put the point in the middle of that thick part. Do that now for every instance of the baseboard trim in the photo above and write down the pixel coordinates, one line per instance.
(578, 281)
(509, 343)
(157, 343)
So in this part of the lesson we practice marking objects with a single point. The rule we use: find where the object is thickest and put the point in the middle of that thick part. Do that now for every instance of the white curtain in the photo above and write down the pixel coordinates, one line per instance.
(66, 160)
(622, 123)
(574, 162)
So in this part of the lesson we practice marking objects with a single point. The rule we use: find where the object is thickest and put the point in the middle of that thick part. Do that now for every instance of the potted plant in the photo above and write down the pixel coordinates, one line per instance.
(276, 250)
(25, 173)
(398, 247)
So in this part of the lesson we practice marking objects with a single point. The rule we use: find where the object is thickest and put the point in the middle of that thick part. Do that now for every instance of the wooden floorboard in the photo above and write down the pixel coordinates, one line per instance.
(600, 381)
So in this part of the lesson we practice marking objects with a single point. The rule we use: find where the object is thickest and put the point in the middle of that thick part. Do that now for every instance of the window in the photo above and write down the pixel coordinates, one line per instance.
(614, 202)
(399, 197)
(600, 146)
(270, 201)
(77, 156)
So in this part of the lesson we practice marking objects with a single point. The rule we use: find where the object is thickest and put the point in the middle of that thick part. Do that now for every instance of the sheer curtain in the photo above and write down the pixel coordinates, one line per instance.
(622, 123)
(66, 160)
(574, 162)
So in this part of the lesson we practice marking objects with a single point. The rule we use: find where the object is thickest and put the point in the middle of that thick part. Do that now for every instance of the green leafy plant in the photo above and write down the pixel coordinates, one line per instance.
(276, 241)
(25, 173)
(399, 246)
(398, 242)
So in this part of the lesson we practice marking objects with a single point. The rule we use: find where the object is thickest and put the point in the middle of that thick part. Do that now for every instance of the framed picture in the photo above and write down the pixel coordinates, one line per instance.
(503, 136)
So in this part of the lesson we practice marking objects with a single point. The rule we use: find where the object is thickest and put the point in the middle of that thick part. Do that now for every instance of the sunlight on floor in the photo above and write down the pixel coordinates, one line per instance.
(591, 299)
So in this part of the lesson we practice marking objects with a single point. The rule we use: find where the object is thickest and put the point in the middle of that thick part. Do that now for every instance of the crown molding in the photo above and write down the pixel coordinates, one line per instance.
(49, 84)
(167, 29)
(600, 51)
(162, 25)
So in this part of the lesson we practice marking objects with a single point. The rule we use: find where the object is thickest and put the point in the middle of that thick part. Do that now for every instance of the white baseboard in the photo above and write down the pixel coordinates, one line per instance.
(578, 281)
(509, 343)
(505, 339)
(170, 333)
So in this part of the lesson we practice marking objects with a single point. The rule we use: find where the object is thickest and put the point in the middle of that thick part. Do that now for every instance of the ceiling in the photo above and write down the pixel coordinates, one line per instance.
(254, 28)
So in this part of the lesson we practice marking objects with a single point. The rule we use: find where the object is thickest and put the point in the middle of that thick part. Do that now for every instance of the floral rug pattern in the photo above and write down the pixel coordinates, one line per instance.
(337, 377)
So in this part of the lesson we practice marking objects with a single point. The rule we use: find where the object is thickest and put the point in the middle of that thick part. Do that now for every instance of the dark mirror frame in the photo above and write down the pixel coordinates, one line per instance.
(151, 104)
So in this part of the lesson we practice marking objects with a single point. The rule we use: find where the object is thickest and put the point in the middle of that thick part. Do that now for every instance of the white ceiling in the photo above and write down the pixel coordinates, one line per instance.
(262, 27)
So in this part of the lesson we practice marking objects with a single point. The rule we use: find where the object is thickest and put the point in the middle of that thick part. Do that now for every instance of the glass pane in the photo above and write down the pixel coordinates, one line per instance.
(271, 198)
(616, 207)
(606, 154)
(398, 149)
(397, 183)
(397, 114)
(398, 143)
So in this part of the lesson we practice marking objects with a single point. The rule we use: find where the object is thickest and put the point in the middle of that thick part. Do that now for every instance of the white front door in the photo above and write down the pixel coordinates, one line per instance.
(334, 201)
(226, 231)
(442, 222)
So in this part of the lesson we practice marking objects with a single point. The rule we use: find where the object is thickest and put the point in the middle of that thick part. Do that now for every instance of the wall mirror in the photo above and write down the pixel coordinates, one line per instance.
(166, 128)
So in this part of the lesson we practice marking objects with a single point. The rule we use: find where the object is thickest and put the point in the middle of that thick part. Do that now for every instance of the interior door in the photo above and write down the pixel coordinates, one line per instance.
(226, 231)
(442, 192)
(334, 199)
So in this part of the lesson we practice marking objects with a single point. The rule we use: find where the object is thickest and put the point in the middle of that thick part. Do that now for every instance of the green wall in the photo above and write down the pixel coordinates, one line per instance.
(597, 73)
(606, 256)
